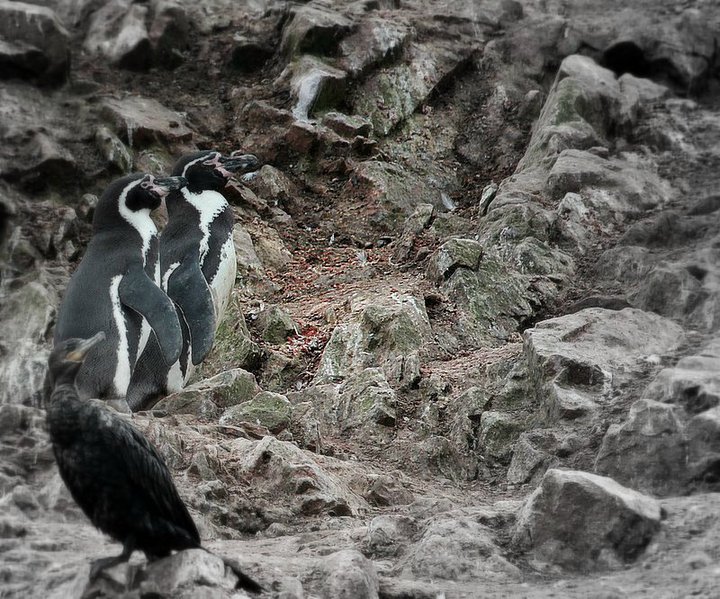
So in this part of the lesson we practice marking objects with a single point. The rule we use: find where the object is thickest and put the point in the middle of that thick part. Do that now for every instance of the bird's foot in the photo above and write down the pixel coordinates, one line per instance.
(102, 564)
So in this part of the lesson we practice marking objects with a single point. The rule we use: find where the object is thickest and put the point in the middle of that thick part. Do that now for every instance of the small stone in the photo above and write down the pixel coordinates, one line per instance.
(350, 575)
(453, 254)
(275, 325)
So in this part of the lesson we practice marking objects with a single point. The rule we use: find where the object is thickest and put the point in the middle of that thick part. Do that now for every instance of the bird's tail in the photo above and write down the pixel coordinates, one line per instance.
(244, 582)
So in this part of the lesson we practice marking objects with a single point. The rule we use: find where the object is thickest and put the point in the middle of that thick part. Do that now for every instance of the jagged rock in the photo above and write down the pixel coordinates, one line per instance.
(208, 397)
(385, 490)
(270, 248)
(439, 454)
(268, 409)
(578, 360)
(648, 451)
(376, 41)
(383, 331)
(347, 125)
(366, 399)
(275, 325)
(349, 575)
(284, 472)
(314, 30)
(315, 86)
(34, 44)
(233, 346)
(584, 522)
(140, 122)
(249, 55)
(414, 225)
(453, 254)
(274, 187)
(391, 95)
(388, 535)
(459, 549)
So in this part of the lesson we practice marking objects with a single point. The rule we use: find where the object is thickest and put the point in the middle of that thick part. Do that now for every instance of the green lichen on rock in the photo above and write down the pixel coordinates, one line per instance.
(366, 399)
(233, 347)
(275, 325)
(268, 409)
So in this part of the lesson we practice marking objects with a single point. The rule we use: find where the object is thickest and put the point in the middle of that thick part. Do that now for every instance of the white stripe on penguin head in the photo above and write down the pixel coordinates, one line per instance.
(139, 219)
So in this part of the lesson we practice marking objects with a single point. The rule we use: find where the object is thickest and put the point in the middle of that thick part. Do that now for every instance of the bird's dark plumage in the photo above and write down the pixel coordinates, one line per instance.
(113, 472)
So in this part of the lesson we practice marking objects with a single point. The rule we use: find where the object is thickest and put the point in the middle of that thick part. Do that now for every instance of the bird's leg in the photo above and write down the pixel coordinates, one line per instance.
(108, 562)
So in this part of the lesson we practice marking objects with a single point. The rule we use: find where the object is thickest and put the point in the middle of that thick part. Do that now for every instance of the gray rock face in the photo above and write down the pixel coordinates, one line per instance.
(613, 528)
(648, 451)
(578, 360)
(34, 44)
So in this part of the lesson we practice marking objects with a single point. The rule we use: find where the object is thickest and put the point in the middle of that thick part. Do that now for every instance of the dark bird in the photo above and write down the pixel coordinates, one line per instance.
(198, 268)
(113, 472)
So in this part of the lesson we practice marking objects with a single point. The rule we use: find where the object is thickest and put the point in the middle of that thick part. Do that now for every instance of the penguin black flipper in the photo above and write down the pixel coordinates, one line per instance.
(192, 295)
(140, 293)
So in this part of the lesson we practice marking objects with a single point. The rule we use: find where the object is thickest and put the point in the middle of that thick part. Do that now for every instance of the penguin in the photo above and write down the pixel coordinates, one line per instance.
(116, 476)
(198, 268)
(116, 288)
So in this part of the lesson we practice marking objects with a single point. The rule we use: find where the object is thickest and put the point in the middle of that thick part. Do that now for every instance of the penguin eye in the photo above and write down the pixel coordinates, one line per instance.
(145, 184)
(209, 162)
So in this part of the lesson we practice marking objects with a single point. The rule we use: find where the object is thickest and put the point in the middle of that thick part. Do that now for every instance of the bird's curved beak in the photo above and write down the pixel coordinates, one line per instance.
(164, 186)
(79, 353)
(240, 162)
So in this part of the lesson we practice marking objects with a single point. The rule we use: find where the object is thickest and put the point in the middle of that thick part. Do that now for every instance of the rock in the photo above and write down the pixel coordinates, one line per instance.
(692, 383)
(169, 33)
(176, 576)
(578, 360)
(366, 399)
(114, 150)
(275, 325)
(384, 490)
(350, 576)
(284, 472)
(270, 410)
(453, 254)
(140, 122)
(34, 44)
(208, 397)
(314, 30)
(648, 451)
(375, 41)
(532, 455)
(584, 522)
(275, 187)
(383, 331)
(389, 96)
(118, 33)
(458, 549)
(27, 315)
(348, 126)
(249, 55)
(388, 535)
(314, 86)
(498, 433)
(414, 225)
(703, 435)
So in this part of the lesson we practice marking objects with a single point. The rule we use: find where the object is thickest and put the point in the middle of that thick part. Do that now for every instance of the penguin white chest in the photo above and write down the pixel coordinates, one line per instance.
(223, 282)
(210, 205)
(121, 379)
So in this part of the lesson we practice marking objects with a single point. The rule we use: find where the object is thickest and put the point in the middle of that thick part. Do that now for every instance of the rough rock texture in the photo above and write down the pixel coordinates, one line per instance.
(478, 270)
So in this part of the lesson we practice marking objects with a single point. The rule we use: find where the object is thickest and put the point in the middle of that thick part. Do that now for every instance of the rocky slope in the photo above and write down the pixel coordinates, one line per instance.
(473, 348)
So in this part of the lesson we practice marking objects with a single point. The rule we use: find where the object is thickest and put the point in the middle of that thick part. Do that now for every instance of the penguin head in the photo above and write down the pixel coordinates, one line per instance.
(132, 198)
(67, 357)
(210, 170)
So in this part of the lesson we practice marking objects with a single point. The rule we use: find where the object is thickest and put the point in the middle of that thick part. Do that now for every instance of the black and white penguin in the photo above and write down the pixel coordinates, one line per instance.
(111, 289)
(198, 268)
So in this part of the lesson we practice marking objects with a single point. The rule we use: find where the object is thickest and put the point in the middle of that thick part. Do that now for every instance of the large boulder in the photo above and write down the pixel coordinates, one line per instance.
(584, 522)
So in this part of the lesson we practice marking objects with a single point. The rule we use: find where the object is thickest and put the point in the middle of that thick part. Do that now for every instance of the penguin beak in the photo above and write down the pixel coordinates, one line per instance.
(79, 353)
(239, 162)
(162, 187)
